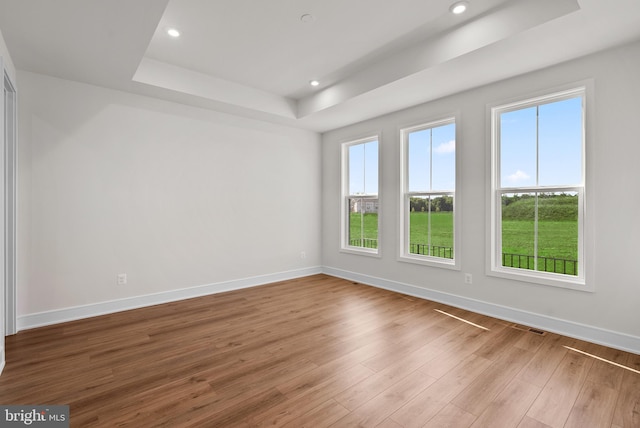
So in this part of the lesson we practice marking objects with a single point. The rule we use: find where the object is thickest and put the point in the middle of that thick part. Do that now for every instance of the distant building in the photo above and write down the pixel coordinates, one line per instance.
(364, 205)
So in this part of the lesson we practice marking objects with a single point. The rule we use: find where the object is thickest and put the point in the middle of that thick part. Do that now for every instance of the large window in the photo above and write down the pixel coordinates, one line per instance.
(538, 188)
(428, 187)
(360, 196)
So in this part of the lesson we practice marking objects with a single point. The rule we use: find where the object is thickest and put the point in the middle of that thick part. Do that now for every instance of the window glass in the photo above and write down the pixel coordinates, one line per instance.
(540, 191)
(430, 156)
(362, 204)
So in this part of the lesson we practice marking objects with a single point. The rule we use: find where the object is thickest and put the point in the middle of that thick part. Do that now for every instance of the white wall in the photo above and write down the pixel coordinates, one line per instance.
(8, 63)
(610, 314)
(173, 196)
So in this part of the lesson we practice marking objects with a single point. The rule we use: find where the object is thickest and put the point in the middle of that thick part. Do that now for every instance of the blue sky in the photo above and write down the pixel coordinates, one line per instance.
(559, 152)
(439, 172)
(560, 145)
(363, 168)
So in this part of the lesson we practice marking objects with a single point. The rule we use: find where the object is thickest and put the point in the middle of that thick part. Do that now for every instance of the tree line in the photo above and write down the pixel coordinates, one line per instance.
(439, 204)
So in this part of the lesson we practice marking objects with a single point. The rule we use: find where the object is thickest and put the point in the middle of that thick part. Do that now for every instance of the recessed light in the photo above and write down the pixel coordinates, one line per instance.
(173, 32)
(307, 17)
(314, 82)
(459, 7)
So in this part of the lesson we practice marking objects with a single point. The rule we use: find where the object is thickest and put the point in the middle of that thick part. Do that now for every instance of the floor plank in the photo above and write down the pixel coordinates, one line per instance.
(594, 407)
(546, 360)
(451, 417)
(427, 404)
(509, 407)
(322, 416)
(528, 422)
(553, 405)
(377, 409)
(627, 412)
(477, 397)
(318, 351)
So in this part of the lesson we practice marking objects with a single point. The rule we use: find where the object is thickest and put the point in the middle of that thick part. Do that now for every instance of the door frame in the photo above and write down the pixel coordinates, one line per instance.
(10, 198)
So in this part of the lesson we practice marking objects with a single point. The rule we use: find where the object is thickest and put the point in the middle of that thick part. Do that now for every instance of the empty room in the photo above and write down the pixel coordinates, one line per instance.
(243, 213)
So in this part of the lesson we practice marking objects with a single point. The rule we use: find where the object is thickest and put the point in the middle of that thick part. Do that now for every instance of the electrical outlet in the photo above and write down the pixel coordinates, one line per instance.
(468, 278)
(122, 278)
(303, 255)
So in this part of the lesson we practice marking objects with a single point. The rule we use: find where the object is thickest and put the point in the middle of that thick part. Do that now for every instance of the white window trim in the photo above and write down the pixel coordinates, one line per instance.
(404, 255)
(345, 196)
(585, 233)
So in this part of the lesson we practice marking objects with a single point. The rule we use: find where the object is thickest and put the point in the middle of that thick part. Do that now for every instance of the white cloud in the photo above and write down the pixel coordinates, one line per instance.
(448, 147)
(518, 176)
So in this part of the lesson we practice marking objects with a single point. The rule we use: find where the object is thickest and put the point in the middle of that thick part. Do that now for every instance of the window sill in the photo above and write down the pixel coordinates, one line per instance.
(361, 251)
(430, 261)
(542, 278)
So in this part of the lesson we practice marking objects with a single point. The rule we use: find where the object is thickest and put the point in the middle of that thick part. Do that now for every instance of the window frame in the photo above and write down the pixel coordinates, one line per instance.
(495, 268)
(345, 247)
(404, 253)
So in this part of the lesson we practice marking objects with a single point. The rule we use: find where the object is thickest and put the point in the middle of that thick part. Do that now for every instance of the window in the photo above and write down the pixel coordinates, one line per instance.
(360, 196)
(428, 188)
(538, 188)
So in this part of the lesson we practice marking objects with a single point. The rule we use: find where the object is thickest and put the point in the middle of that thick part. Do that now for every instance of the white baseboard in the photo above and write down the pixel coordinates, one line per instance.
(588, 333)
(86, 311)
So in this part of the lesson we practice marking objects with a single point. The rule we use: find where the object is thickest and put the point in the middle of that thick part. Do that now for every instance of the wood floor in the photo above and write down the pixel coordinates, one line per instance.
(318, 352)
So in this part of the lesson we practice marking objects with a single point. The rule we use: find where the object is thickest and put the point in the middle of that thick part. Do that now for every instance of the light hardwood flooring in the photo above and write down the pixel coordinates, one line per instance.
(318, 352)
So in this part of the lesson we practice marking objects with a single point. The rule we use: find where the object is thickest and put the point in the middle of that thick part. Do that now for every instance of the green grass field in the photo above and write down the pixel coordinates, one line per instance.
(556, 239)
(557, 233)
(363, 230)
(441, 227)
(441, 233)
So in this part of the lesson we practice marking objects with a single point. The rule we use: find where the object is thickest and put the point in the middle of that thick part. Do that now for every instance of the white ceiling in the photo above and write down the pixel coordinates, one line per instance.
(265, 45)
(255, 58)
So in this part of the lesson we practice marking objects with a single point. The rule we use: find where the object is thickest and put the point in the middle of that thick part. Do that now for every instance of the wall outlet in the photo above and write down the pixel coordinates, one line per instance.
(468, 278)
(303, 255)
(122, 278)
